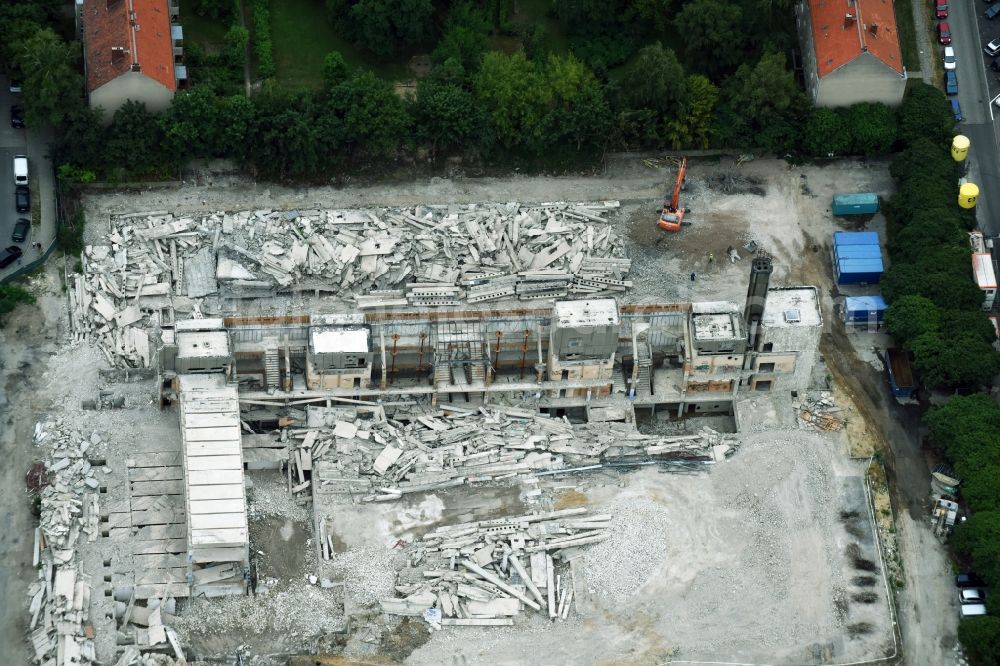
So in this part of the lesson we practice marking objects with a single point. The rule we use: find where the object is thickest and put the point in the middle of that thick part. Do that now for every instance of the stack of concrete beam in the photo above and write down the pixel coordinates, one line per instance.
(487, 572)
(61, 632)
(384, 460)
(429, 256)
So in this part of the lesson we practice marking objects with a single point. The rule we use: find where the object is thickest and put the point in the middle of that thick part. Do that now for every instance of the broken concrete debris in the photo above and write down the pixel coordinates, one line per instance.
(62, 630)
(382, 459)
(486, 572)
(818, 411)
(155, 265)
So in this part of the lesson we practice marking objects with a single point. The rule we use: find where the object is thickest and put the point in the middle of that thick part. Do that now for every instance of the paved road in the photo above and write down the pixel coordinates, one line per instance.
(12, 142)
(977, 85)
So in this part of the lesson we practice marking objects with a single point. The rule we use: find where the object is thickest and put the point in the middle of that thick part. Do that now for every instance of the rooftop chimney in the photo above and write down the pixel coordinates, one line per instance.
(760, 279)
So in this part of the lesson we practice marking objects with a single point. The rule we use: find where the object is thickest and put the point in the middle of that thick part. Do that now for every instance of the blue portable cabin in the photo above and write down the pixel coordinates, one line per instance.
(864, 310)
(858, 271)
(860, 203)
(857, 252)
(855, 238)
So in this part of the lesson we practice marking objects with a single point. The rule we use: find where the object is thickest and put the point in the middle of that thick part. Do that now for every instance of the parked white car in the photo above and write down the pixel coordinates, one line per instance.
(949, 58)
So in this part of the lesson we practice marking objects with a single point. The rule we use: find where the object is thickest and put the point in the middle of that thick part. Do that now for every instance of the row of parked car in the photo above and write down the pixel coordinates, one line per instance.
(22, 191)
(971, 594)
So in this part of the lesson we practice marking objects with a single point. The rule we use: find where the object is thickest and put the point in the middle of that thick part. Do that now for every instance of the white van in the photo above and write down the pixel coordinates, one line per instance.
(20, 170)
(968, 610)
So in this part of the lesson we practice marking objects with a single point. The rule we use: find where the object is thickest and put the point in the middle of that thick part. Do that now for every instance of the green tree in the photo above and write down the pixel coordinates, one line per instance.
(714, 35)
(873, 128)
(910, 317)
(980, 636)
(927, 229)
(580, 116)
(514, 93)
(654, 15)
(376, 117)
(282, 137)
(192, 124)
(923, 157)
(654, 81)
(446, 117)
(80, 139)
(214, 9)
(826, 133)
(134, 143)
(52, 84)
(963, 424)
(925, 114)
(693, 128)
(972, 323)
(465, 36)
(979, 537)
(384, 27)
(335, 69)
(763, 105)
(949, 362)
(235, 51)
(236, 119)
(946, 288)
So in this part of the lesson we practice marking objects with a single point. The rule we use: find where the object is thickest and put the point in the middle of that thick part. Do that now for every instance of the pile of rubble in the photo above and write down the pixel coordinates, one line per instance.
(382, 459)
(423, 256)
(818, 411)
(60, 626)
(486, 572)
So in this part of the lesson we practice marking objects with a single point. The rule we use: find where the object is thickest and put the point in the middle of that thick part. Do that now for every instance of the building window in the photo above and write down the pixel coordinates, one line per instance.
(762, 386)
(768, 346)
(766, 367)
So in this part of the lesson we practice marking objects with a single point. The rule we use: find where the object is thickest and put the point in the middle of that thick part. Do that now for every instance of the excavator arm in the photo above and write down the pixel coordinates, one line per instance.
(672, 216)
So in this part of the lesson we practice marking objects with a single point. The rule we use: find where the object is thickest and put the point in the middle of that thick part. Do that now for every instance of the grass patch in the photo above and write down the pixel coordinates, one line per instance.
(907, 35)
(301, 35)
(208, 32)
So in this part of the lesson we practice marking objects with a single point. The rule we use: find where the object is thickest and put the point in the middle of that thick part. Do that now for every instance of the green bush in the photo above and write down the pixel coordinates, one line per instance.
(11, 295)
(262, 38)
(70, 236)
(981, 638)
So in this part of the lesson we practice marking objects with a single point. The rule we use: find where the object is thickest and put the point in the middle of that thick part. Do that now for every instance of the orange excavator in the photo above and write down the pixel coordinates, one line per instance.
(672, 216)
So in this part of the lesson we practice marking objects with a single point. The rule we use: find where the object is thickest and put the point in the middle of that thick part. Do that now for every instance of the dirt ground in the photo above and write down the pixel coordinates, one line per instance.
(677, 614)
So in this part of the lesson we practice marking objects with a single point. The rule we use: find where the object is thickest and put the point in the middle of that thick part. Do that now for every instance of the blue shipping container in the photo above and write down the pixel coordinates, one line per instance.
(864, 309)
(861, 203)
(858, 252)
(856, 271)
(855, 238)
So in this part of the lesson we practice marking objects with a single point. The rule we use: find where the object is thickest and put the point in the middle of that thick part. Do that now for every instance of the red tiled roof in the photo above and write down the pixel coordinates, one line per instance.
(840, 38)
(112, 45)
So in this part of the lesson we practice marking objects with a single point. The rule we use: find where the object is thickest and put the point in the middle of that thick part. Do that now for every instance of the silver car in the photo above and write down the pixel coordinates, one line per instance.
(993, 47)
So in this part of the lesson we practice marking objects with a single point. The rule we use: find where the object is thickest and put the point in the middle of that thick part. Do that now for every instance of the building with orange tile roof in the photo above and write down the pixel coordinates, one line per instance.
(851, 52)
(131, 52)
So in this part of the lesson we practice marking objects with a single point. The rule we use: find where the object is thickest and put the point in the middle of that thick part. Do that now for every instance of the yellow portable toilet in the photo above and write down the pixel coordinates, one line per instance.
(959, 148)
(967, 195)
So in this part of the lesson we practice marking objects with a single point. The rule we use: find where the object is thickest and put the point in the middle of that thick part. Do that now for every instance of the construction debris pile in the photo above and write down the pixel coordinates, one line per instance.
(819, 412)
(382, 459)
(486, 572)
(60, 625)
(423, 256)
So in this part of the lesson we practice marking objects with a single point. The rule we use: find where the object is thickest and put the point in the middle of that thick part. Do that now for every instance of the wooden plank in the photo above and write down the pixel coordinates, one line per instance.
(154, 459)
(160, 562)
(228, 448)
(154, 532)
(217, 506)
(224, 434)
(211, 420)
(157, 502)
(207, 554)
(166, 517)
(161, 576)
(176, 590)
(218, 537)
(220, 491)
(155, 473)
(157, 487)
(159, 546)
(118, 520)
(213, 477)
(213, 521)
(200, 463)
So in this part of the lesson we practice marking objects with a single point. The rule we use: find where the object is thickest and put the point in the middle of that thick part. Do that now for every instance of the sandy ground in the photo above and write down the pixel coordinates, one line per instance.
(745, 563)
(792, 222)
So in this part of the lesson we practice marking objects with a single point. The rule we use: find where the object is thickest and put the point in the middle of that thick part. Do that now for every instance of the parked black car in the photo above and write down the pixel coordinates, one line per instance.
(21, 229)
(17, 117)
(9, 256)
(968, 580)
(22, 198)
